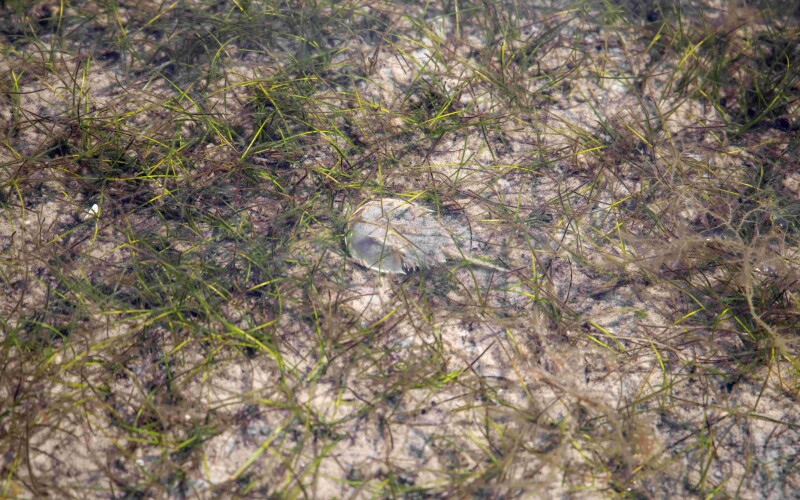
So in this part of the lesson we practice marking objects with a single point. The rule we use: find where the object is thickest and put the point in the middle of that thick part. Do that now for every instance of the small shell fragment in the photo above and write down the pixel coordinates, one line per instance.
(91, 213)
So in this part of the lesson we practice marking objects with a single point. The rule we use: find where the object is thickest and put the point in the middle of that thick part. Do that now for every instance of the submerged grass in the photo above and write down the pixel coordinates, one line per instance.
(179, 315)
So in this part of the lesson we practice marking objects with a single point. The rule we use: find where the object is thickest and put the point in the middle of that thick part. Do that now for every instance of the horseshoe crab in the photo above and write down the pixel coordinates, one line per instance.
(396, 236)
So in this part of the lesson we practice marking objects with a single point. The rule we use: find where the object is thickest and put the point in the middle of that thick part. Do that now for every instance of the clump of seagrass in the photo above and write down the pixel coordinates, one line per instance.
(397, 236)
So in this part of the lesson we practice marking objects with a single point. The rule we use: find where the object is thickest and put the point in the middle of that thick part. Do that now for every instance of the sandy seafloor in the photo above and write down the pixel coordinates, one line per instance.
(605, 392)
